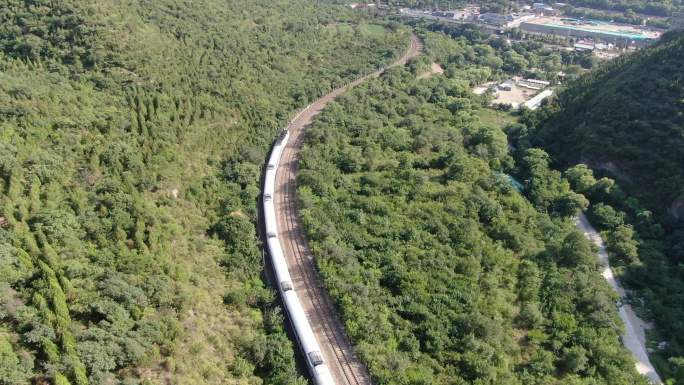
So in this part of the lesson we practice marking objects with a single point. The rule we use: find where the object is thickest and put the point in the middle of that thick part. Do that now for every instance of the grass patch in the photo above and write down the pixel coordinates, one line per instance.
(374, 30)
(495, 118)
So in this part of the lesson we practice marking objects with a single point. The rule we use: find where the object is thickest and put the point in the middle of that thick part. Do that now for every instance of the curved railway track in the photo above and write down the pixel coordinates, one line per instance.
(337, 350)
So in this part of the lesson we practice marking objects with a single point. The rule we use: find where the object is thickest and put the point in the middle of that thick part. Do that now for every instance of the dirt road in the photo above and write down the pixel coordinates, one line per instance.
(336, 348)
(634, 337)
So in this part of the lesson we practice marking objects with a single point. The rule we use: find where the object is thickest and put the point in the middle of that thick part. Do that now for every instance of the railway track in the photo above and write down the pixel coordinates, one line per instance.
(337, 350)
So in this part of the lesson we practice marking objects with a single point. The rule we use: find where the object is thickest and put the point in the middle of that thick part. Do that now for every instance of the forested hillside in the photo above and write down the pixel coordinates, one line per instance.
(626, 119)
(131, 140)
(443, 272)
(624, 122)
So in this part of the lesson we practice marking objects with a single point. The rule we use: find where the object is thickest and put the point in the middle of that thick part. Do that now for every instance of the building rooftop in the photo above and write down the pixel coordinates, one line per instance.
(606, 28)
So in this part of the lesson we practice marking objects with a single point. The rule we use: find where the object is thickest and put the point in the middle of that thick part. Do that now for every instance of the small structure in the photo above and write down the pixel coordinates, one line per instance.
(536, 101)
(543, 9)
(495, 19)
(506, 86)
(584, 45)
(361, 5)
(534, 84)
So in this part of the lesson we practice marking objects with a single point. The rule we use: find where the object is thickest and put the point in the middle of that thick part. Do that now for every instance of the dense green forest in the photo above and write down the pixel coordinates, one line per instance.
(442, 271)
(623, 122)
(132, 136)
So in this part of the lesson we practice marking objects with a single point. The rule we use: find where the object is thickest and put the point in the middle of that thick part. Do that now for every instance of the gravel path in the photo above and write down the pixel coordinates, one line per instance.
(634, 337)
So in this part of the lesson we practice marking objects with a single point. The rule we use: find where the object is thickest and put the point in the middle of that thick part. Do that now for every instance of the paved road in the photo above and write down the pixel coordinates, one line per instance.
(337, 350)
(634, 337)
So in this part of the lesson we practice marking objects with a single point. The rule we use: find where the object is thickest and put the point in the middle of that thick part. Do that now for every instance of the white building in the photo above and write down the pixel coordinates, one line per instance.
(536, 101)
(534, 84)
(506, 86)
(543, 9)
(580, 46)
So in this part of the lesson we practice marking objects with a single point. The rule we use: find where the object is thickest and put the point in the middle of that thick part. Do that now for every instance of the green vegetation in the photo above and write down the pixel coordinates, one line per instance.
(493, 57)
(635, 242)
(624, 122)
(494, 118)
(131, 140)
(604, 120)
(442, 271)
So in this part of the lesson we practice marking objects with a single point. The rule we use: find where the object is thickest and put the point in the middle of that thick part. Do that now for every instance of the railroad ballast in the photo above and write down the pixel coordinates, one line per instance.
(304, 334)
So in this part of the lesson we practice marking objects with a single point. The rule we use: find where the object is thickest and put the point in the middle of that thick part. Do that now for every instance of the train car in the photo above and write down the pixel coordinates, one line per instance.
(283, 137)
(300, 324)
(307, 341)
(272, 167)
(282, 274)
(322, 375)
(269, 183)
(277, 150)
(270, 219)
(274, 159)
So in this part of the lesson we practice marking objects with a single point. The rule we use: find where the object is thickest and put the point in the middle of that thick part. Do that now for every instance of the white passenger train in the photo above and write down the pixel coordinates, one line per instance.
(300, 324)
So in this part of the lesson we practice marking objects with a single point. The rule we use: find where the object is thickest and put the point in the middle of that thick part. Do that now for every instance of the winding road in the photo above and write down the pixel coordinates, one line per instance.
(634, 337)
(337, 350)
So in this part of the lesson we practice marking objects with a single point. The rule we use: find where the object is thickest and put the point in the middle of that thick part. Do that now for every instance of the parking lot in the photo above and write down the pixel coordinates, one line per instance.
(515, 97)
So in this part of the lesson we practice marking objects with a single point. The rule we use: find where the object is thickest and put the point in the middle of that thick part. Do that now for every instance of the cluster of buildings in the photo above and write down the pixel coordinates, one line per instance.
(543, 9)
(610, 33)
(518, 92)
(469, 13)
(590, 45)
(532, 84)
(472, 14)
(511, 20)
(542, 18)
(505, 21)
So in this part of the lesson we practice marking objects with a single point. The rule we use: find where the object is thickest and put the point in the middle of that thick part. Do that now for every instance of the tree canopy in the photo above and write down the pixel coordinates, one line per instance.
(623, 124)
(443, 272)
(131, 140)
